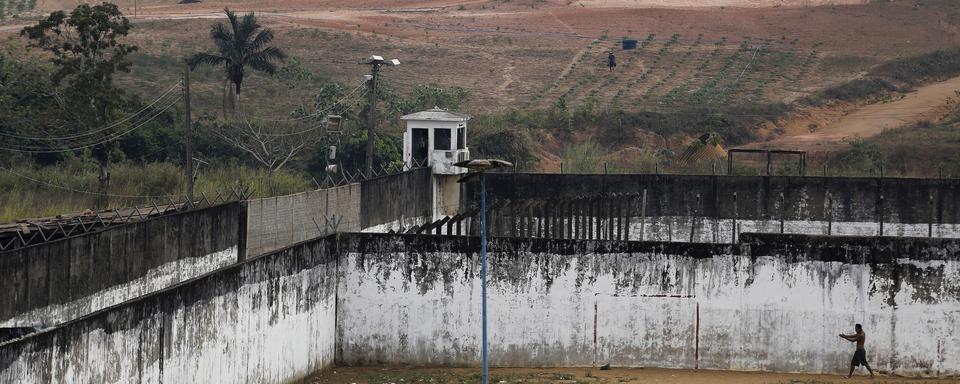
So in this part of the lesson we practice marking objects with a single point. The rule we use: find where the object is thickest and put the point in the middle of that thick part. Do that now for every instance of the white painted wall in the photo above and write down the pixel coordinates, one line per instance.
(269, 320)
(756, 313)
(153, 280)
(710, 230)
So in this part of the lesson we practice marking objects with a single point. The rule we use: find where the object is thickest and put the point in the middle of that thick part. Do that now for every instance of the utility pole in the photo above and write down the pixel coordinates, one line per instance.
(375, 62)
(188, 127)
(371, 112)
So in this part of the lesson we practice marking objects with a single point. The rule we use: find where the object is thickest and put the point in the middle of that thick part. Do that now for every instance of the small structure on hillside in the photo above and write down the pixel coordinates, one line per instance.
(708, 148)
(436, 138)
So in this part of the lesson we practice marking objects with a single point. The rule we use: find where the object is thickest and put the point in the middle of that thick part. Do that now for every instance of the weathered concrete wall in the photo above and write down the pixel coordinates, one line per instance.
(379, 204)
(266, 320)
(774, 303)
(397, 201)
(277, 222)
(61, 280)
(871, 200)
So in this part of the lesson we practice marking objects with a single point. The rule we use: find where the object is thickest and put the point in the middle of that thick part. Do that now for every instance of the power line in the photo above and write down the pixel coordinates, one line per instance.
(110, 138)
(357, 98)
(82, 191)
(88, 133)
(317, 113)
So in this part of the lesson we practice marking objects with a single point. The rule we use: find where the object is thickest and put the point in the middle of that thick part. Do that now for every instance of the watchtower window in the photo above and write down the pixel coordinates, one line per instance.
(461, 138)
(441, 139)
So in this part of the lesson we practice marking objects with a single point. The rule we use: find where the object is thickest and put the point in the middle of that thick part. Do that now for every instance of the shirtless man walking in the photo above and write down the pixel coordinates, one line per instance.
(860, 356)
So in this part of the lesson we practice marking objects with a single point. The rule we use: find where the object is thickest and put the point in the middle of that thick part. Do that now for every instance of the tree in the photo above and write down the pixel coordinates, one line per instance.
(244, 44)
(271, 144)
(86, 50)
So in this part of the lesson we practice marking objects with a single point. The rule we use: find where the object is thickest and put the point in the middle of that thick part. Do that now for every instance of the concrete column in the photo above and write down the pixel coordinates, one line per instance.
(621, 229)
(581, 219)
(576, 225)
(554, 219)
(548, 218)
(587, 219)
(613, 218)
(529, 223)
(628, 213)
(558, 219)
(643, 214)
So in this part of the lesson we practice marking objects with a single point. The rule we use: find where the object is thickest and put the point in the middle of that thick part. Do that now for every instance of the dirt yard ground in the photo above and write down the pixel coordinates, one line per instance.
(396, 375)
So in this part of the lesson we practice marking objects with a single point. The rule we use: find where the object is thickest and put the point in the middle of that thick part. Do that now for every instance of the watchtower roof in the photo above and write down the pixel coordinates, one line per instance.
(436, 114)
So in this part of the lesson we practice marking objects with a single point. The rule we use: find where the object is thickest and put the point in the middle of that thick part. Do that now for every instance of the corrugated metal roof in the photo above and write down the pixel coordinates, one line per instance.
(436, 114)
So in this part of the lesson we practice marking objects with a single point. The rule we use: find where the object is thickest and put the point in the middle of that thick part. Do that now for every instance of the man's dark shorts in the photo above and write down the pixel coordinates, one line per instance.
(859, 358)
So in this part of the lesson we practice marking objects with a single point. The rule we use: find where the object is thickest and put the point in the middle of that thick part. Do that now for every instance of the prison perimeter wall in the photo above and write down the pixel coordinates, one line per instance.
(277, 222)
(847, 199)
(267, 320)
(50, 283)
(772, 302)
(398, 200)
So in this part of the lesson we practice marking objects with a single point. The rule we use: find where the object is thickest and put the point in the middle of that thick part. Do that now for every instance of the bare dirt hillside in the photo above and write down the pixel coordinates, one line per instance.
(712, 3)
(528, 54)
(836, 127)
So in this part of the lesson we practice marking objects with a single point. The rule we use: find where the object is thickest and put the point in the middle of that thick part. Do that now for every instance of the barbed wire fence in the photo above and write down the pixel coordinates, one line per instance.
(26, 232)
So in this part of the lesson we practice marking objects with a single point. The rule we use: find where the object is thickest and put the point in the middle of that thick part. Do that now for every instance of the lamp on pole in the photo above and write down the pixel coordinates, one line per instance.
(375, 62)
(478, 167)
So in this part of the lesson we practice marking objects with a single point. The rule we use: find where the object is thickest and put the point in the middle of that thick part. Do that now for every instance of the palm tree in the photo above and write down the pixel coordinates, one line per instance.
(241, 45)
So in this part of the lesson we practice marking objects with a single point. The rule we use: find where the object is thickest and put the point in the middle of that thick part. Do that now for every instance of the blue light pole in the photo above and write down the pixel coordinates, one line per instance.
(483, 266)
(480, 166)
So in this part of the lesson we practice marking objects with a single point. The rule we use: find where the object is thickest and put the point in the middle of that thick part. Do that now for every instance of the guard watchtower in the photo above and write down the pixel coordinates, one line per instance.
(436, 138)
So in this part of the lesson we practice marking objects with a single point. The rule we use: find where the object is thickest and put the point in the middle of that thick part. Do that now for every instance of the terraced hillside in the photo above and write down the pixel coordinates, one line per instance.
(681, 70)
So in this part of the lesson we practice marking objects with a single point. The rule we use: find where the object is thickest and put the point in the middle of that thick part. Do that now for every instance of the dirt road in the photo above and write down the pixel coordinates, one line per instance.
(344, 375)
(923, 104)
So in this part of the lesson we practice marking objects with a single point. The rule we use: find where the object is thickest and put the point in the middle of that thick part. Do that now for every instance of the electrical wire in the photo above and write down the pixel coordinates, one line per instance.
(34, 149)
(311, 128)
(98, 130)
(318, 113)
(81, 191)
(110, 138)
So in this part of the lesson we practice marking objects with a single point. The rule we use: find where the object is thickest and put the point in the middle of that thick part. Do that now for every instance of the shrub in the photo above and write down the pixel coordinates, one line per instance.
(586, 157)
(934, 66)
(858, 89)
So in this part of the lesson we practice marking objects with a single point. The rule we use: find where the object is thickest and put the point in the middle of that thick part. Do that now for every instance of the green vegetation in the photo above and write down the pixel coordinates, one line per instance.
(87, 50)
(583, 158)
(69, 186)
(924, 150)
(854, 90)
(884, 79)
(244, 44)
(934, 66)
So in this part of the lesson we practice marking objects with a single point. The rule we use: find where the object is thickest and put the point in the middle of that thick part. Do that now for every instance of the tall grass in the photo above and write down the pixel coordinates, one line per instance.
(27, 191)
(586, 157)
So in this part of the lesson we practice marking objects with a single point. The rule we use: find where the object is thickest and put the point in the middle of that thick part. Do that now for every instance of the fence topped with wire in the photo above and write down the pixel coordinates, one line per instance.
(344, 176)
(26, 232)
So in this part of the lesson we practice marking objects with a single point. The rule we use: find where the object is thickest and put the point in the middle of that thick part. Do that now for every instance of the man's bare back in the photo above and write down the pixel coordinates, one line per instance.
(860, 355)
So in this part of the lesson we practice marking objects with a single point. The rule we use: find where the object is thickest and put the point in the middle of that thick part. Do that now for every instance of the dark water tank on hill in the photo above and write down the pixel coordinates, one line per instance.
(629, 44)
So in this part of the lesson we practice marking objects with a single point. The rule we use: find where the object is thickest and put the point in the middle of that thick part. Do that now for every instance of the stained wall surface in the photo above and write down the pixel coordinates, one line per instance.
(374, 205)
(277, 222)
(847, 199)
(771, 303)
(57, 281)
(266, 320)
(400, 200)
